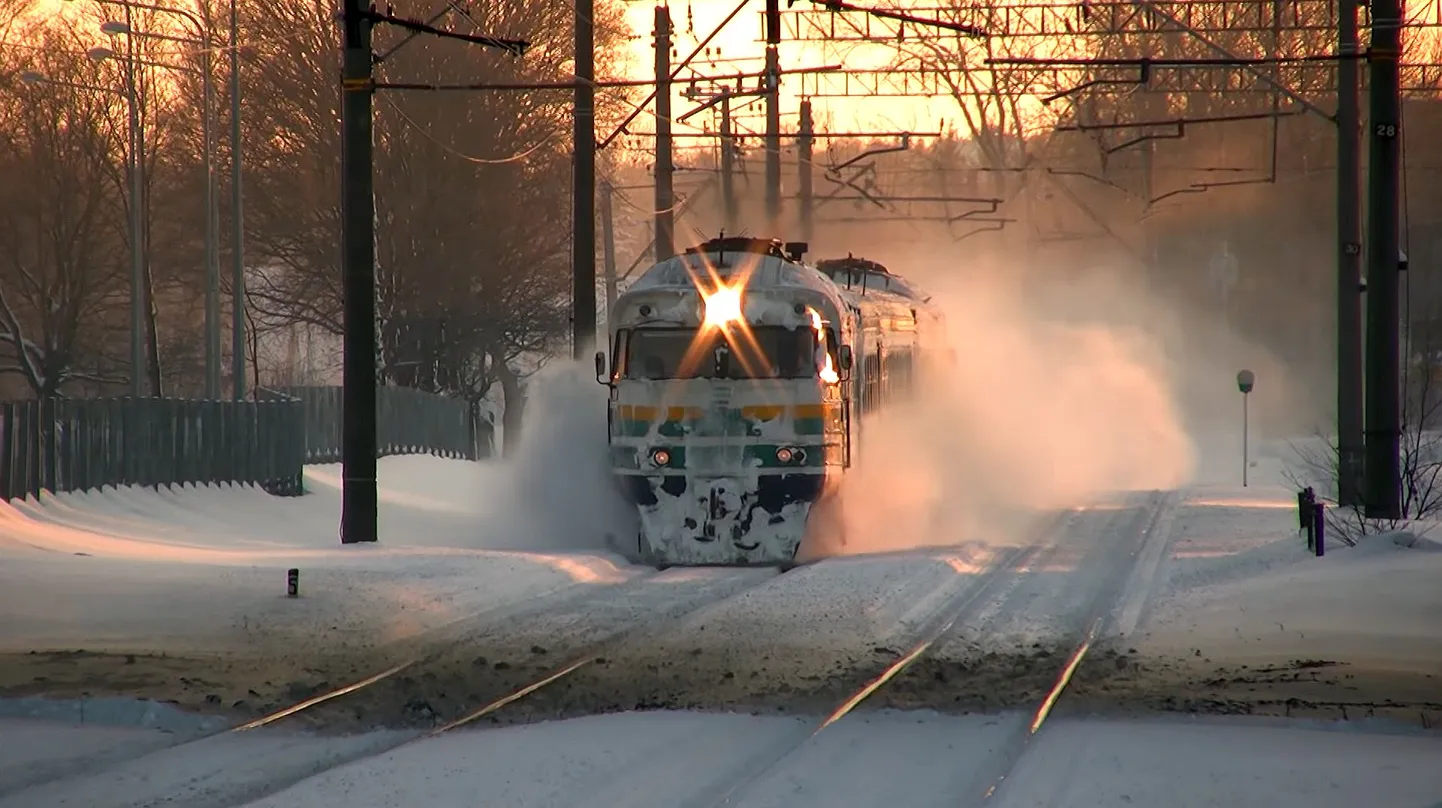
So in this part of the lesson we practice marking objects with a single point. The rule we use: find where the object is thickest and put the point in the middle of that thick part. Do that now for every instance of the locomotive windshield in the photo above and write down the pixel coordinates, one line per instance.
(662, 353)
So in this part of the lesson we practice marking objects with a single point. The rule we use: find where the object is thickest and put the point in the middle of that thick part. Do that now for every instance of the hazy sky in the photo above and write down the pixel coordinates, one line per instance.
(741, 51)
(741, 40)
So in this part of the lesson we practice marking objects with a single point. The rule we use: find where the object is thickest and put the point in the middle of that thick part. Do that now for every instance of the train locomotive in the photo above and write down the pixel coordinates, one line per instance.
(739, 377)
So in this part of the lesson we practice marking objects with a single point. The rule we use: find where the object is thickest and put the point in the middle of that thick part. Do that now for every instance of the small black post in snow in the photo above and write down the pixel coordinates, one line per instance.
(292, 583)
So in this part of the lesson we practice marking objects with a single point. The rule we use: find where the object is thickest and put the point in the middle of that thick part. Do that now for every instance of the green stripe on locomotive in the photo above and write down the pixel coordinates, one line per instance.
(815, 456)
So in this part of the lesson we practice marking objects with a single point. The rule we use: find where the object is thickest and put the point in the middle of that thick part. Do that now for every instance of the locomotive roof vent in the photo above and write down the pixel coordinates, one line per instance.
(851, 262)
(789, 251)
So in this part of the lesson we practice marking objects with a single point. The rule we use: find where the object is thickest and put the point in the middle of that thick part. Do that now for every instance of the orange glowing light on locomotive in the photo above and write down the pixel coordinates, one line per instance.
(828, 368)
(723, 306)
(724, 310)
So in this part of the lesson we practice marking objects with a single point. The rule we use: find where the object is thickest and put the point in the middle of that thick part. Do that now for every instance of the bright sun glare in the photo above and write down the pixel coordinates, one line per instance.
(723, 306)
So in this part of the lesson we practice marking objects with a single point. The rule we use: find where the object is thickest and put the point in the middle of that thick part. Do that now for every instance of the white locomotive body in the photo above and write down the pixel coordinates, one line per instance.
(734, 409)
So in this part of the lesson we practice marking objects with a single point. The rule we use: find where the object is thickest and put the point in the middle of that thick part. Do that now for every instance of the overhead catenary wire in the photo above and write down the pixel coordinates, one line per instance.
(224, 47)
(514, 158)
(674, 74)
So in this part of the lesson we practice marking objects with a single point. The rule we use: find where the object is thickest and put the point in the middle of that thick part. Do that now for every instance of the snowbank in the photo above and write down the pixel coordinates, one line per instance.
(1240, 584)
(424, 502)
(204, 568)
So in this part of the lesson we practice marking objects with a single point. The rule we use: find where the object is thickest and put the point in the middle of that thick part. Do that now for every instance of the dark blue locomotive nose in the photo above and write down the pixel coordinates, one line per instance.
(725, 502)
(773, 492)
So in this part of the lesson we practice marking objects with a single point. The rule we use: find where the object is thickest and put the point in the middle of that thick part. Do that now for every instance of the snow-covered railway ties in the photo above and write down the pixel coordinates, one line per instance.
(979, 627)
(987, 626)
(452, 678)
(1003, 603)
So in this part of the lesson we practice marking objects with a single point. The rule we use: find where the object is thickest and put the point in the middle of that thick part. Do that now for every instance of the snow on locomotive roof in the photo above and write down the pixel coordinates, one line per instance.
(860, 275)
(767, 260)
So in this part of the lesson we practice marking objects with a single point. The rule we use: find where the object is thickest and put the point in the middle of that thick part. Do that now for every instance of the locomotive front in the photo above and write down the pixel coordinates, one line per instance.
(727, 414)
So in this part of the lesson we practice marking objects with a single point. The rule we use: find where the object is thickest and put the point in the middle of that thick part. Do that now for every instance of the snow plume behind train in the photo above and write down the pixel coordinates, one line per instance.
(1049, 406)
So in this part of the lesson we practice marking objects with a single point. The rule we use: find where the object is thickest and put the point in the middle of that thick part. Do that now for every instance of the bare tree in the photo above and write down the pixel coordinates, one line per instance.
(472, 189)
(62, 238)
(1420, 461)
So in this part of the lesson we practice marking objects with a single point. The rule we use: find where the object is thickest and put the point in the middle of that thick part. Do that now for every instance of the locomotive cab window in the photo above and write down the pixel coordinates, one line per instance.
(685, 353)
(832, 351)
(618, 354)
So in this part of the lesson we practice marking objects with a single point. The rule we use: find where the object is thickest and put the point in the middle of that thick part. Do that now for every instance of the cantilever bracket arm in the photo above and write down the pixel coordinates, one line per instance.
(1179, 123)
(1190, 189)
(1086, 85)
(903, 146)
(1144, 76)
(516, 47)
(1203, 187)
(1250, 116)
(997, 224)
(833, 173)
(1058, 172)
(714, 100)
(992, 206)
(849, 182)
(1180, 133)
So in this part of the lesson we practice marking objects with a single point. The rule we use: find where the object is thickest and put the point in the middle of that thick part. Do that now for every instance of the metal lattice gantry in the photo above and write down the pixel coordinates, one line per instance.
(1210, 58)
(1087, 29)
(920, 79)
(1044, 18)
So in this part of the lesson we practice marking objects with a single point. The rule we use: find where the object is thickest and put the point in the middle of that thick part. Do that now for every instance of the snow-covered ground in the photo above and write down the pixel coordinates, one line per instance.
(1244, 617)
(892, 759)
(91, 581)
(199, 559)
(180, 595)
(667, 759)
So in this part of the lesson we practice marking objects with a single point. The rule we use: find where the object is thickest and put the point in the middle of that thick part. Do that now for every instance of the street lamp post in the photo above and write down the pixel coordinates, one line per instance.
(1246, 381)
(134, 150)
(139, 297)
(212, 213)
(237, 220)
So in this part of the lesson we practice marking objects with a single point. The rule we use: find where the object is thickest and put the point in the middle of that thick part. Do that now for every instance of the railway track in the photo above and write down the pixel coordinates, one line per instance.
(1103, 607)
(582, 643)
(985, 585)
(778, 755)
(572, 615)
(579, 636)
(394, 658)
(991, 589)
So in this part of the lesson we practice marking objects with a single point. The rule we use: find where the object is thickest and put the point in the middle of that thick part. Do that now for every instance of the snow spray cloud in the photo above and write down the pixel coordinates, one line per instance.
(557, 492)
(1043, 410)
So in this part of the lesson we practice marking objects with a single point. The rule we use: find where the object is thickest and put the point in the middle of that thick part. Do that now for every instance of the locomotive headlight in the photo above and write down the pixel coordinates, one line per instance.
(786, 455)
(723, 307)
(661, 457)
